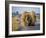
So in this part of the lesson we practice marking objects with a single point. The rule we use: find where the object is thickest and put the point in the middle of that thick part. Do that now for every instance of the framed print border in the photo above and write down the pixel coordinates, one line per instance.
(7, 18)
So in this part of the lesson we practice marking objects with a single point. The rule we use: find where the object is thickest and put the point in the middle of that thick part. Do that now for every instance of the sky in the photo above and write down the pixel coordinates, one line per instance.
(22, 9)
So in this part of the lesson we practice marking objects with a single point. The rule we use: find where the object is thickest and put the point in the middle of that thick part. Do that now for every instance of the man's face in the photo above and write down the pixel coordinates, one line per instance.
(29, 20)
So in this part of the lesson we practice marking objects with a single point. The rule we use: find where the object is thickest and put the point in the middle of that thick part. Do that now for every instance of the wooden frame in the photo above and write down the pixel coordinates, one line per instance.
(7, 18)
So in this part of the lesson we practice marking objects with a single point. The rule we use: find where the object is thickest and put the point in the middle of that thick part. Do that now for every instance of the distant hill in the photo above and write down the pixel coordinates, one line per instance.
(37, 13)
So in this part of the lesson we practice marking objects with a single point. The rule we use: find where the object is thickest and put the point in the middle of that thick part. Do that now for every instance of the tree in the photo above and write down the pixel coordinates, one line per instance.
(15, 13)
